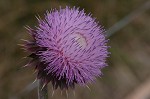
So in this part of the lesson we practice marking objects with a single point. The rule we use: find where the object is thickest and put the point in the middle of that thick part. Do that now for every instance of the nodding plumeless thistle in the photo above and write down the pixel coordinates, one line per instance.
(68, 47)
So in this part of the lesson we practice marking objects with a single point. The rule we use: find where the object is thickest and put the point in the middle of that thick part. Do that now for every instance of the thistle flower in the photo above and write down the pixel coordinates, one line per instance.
(68, 48)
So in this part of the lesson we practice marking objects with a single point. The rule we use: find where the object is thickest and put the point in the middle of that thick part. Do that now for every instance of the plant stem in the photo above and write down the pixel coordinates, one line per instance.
(42, 91)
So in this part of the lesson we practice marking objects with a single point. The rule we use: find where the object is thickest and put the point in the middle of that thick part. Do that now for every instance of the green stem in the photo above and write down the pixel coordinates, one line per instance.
(42, 91)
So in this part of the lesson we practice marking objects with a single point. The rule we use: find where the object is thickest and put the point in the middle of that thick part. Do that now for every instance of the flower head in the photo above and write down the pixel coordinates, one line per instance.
(68, 48)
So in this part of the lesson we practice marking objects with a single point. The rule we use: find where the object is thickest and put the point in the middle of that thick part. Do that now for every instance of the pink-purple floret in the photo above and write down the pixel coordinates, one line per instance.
(68, 48)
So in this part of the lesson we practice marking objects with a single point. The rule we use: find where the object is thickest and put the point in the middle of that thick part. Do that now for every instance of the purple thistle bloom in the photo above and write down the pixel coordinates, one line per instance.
(68, 48)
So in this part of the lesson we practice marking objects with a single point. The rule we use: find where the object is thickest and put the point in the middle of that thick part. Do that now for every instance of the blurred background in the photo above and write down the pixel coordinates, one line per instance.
(128, 27)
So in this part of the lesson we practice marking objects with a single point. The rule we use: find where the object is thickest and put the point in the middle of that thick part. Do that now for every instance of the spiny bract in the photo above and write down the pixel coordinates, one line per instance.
(68, 48)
